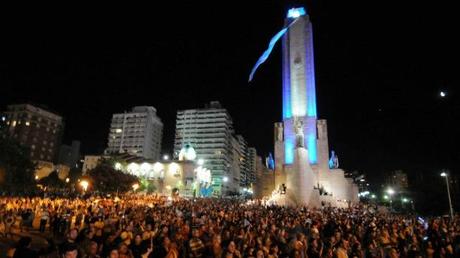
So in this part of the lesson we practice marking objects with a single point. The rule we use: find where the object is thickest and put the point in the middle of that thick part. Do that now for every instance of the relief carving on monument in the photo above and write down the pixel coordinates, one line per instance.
(279, 133)
(299, 136)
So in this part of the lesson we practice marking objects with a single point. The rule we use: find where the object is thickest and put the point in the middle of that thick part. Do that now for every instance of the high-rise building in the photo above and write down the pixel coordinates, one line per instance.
(138, 132)
(210, 132)
(36, 128)
(243, 161)
(69, 155)
(252, 165)
(235, 179)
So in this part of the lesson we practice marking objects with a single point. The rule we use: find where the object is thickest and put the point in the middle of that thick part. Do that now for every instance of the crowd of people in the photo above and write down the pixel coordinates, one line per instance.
(136, 226)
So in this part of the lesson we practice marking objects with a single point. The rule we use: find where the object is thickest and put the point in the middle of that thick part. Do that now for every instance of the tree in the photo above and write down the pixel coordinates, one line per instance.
(147, 186)
(52, 181)
(16, 168)
(74, 174)
(106, 178)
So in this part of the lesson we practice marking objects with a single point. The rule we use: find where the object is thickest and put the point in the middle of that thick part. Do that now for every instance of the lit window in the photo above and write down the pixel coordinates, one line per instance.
(32, 147)
(118, 130)
(14, 123)
(27, 123)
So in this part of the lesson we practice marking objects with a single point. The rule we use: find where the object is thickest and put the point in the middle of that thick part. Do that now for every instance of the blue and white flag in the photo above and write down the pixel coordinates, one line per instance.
(267, 52)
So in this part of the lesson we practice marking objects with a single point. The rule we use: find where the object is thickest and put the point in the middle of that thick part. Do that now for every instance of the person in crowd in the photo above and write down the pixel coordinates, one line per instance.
(149, 226)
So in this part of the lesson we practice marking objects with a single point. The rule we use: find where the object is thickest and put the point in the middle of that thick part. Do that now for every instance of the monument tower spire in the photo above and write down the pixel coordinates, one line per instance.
(299, 93)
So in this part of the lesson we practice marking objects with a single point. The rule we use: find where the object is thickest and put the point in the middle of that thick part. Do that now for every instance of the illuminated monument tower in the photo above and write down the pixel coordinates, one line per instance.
(301, 143)
(299, 96)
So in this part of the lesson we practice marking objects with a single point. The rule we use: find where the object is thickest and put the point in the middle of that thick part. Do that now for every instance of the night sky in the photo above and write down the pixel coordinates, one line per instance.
(379, 70)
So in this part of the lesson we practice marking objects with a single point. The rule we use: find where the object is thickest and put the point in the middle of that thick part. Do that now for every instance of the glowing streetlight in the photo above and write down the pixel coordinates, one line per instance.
(225, 179)
(200, 162)
(36, 177)
(135, 186)
(165, 157)
(390, 191)
(442, 94)
(405, 200)
(67, 180)
(84, 184)
(118, 166)
(373, 196)
(451, 209)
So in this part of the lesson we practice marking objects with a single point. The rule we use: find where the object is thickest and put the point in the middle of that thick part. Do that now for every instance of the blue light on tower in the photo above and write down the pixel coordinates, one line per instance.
(289, 151)
(296, 12)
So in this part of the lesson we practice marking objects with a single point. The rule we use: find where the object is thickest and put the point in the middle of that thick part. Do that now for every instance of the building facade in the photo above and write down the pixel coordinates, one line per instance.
(264, 181)
(69, 155)
(138, 132)
(252, 165)
(90, 162)
(185, 177)
(209, 131)
(245, 177)
(36, 128)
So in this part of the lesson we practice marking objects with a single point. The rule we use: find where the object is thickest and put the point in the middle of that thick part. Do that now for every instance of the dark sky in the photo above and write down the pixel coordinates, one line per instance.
(379, 70)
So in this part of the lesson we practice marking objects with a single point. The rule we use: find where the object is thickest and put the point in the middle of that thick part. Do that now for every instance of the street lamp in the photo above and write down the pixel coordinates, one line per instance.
(200, 162)
(390, 192)
(224, 180)
(444, 174)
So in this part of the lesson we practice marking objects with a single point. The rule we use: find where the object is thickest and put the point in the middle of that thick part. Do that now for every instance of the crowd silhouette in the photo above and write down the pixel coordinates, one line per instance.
(134, 226)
